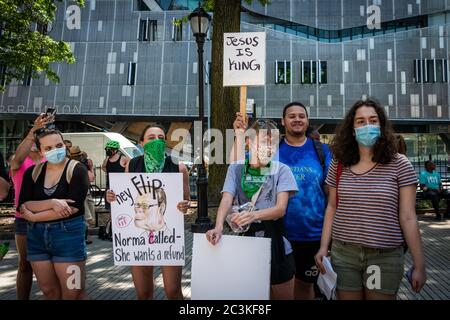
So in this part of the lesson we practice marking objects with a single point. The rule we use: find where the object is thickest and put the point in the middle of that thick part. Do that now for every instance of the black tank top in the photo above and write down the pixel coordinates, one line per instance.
(113, 167)
(137, 165)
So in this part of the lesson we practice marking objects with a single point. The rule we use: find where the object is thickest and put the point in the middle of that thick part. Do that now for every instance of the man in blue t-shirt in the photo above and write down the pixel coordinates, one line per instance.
(308, 161)
(306, 209)
(431, 184)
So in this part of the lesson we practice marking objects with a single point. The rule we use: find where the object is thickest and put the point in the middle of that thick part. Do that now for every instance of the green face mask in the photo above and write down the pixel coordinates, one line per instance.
(154, 155)
(252, 179)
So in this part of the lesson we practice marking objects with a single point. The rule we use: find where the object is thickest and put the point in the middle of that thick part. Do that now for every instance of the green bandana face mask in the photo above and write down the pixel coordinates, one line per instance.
(154, 155)
(252, 179)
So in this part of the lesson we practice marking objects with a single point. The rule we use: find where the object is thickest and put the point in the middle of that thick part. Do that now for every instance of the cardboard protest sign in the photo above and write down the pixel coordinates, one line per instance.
(244, 59)
(236, 268)
(148, 229)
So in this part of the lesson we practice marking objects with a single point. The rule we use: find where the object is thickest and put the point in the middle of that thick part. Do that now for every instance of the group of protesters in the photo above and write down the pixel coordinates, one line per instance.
(352, 201)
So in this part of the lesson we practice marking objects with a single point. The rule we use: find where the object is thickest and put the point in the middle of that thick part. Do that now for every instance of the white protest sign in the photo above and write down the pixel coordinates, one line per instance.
(236, 268)
(148, 229)
(244, 59)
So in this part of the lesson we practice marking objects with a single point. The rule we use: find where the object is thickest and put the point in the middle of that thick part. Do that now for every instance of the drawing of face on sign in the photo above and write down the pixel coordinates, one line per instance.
(149, 211)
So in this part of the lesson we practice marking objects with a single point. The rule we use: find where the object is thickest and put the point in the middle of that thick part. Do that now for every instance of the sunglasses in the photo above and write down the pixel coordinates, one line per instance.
(47, 129)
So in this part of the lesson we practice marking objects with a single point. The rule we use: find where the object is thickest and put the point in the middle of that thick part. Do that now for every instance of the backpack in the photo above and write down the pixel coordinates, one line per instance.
(69, 173)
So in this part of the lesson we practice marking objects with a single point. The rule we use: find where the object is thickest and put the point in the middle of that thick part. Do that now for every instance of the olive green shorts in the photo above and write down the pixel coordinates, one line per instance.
(358, 267)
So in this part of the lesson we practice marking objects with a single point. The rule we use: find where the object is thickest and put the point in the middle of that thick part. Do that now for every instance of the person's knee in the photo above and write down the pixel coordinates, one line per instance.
(51, 292)
(173, 292)
(74, 295)
(144, 293)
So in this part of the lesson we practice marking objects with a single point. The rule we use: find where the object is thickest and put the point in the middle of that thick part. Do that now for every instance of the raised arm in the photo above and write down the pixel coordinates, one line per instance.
(238, 150)
(24, 147)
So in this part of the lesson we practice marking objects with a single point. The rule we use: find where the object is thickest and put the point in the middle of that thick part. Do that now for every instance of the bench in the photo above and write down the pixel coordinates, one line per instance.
(419, 193)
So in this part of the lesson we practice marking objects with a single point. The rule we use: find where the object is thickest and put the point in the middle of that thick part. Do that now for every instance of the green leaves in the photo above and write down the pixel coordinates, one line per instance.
(25, 47)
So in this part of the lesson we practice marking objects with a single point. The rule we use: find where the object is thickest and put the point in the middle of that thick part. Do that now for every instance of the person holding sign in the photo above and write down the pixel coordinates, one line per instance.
(52, 200)
(155, 160)
(308, 160)
(265, 185)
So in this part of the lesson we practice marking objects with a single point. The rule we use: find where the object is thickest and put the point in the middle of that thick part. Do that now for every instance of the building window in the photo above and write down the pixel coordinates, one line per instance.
(147, 30)
(323, 75)
(141, 6)
(177, 30)
(282, 72)
(131, 79)
(430, 71)
(444, 71)
(313, 72)
(42, 28)
(26, 81)
(417, 71)
(2, 75)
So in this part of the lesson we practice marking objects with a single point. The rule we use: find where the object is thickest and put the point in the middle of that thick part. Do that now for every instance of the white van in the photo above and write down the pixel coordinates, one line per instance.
(93, 143)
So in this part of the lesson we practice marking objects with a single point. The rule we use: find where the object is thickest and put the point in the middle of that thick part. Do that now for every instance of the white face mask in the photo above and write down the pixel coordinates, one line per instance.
(264, 154)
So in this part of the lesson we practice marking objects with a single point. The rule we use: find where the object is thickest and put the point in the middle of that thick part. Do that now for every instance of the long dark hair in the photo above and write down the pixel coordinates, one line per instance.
(345, 147)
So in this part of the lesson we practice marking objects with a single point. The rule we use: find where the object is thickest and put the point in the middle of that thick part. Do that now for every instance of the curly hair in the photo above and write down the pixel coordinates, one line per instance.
(345, 147)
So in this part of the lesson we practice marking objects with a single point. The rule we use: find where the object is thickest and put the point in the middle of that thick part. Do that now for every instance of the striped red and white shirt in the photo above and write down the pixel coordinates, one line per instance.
(368, 209)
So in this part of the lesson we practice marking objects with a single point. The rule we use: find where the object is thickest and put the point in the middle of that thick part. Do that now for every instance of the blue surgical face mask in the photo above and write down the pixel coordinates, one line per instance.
(368, 135)
(56, 156)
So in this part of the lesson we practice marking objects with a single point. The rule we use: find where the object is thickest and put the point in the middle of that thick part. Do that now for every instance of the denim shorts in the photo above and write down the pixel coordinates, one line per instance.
(358, 267)
(20, 226)
(61, 241)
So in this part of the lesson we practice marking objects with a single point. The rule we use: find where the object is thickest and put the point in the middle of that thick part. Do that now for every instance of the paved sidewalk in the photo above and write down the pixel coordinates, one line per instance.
(107, 282)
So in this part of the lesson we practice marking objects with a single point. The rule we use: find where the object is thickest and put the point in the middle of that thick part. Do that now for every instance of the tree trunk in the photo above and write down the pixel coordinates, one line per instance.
(224, 100)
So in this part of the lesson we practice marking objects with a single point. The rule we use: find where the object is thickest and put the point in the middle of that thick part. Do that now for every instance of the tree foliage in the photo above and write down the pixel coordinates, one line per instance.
(25, 47)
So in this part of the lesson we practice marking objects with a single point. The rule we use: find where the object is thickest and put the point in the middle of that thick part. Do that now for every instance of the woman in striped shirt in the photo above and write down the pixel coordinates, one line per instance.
(371, 209)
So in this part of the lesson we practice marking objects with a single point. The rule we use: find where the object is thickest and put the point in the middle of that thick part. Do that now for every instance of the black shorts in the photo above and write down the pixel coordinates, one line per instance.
(282, 271)
(305, 266)
(20, 226)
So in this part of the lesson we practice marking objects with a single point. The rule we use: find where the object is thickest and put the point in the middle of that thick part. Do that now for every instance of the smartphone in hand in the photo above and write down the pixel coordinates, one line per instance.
(50, 114)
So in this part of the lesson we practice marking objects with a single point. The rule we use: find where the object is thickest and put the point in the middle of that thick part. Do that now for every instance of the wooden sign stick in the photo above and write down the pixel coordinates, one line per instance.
(243, 101)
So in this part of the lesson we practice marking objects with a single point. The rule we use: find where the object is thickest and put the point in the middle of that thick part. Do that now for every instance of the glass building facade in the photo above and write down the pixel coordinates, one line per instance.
(133, 62)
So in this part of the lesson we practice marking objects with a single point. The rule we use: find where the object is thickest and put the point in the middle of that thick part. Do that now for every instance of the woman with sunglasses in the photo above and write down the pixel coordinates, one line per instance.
(52, 200)
(155, 160)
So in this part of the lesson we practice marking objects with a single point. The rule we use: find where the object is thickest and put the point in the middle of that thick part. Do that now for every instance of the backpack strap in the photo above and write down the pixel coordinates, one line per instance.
(37, 171)
(338, 178)
(318, 146)
(70, 168)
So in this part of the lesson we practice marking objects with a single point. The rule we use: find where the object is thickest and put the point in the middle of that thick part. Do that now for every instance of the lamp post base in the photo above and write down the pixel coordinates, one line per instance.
(201, 225)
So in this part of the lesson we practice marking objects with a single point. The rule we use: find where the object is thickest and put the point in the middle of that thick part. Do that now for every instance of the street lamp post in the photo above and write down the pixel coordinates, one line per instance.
(199, 20)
